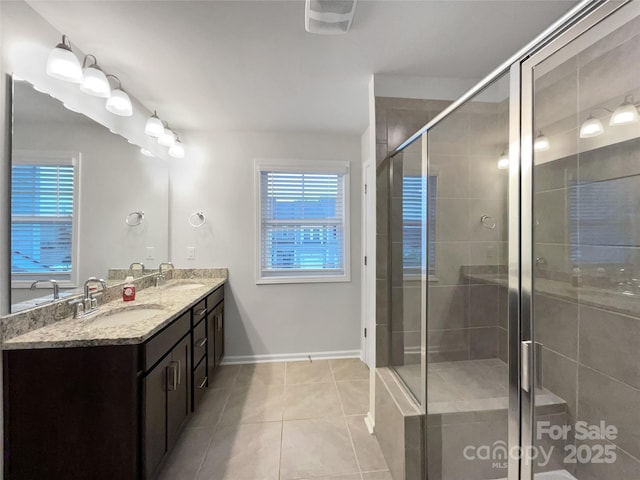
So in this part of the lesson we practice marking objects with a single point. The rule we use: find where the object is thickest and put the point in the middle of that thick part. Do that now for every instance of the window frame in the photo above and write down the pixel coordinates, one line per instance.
(302, 166)
(38, 157)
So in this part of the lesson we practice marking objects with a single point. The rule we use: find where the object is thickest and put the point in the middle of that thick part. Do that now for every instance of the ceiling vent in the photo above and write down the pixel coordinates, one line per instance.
(329, 17)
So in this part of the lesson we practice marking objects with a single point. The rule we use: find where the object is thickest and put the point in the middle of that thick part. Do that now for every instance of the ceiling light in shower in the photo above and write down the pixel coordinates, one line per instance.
(177, 151)
(63, 64)
(592, 127)
(95, 82)
(541, 143)
(168, 138)
(627, 112)
(119, 102)
(154, 126)
(503, 161)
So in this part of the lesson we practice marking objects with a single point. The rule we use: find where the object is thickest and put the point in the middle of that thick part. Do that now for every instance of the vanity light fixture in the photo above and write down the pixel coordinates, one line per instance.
(541, 143)
(626, 113)
(177, 151)
(95, 81)
(503, 161)
(154, 126)
(119, 102)
(592, 127)
(63, 64)
(168, 138)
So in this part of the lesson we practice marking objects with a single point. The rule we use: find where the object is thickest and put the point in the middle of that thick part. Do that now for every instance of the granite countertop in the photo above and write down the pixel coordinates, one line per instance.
(81, 332)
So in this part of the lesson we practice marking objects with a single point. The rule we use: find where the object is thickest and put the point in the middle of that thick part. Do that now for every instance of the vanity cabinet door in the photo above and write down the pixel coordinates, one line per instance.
(156, 385)
(218, 335)
(179, 391)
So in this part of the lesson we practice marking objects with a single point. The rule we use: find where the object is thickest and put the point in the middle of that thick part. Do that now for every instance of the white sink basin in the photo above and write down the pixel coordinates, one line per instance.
(185, 286)
(125, 316)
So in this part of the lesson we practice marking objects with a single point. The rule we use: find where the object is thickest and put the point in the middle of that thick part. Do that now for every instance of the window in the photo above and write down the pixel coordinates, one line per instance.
(43, 212)
(302, 221)
(413, 187)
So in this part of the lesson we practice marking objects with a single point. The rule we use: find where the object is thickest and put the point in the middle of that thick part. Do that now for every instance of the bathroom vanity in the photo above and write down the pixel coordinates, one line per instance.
(106, 396)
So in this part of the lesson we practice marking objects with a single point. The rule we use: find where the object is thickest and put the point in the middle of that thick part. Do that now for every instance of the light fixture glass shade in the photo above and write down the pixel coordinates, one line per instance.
(541, 143)
(625, 113)
(154, 127)
(592, 127)
(63, 64)
(167, 139)
(503, 161)
(146, 153)
(119, 103)
(177, 151)
(95, 82)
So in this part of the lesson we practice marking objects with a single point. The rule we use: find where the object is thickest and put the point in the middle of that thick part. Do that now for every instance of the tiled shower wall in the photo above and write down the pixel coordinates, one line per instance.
(591, 334)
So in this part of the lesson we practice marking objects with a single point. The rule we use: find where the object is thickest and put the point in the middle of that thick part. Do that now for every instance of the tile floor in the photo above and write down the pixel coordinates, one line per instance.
(281, 421)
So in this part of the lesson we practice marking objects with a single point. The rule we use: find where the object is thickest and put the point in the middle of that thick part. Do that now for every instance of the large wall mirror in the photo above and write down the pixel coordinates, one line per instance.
(84, 200)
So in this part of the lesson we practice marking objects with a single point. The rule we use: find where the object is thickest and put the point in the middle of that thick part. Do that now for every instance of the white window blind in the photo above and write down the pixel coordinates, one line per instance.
(42, 219)
(302, 224)
(416, 190)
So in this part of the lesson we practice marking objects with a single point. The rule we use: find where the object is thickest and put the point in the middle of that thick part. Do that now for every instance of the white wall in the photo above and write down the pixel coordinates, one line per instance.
(218, 178)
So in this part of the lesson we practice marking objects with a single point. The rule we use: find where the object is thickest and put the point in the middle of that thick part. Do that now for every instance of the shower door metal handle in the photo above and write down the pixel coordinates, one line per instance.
(531, 365)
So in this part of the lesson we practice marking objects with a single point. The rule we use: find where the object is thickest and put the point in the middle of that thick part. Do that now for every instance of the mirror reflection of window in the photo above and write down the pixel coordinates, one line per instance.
(413, 187)
(43, 217)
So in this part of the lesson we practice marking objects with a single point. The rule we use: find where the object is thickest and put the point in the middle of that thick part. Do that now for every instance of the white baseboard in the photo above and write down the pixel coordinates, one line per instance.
(370, 423)
(289, 357)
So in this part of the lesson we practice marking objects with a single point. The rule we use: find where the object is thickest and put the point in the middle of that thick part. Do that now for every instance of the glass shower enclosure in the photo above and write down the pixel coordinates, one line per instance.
(514, 252)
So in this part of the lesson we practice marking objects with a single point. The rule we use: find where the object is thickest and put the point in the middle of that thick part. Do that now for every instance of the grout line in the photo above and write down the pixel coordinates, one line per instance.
(215, 428)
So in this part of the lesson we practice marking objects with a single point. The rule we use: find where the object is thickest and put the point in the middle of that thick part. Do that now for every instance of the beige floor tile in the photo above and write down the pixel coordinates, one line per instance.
(386, 475)
(368, 451)
(349, 369)
(351, 476)
(210, 408)
(244, 452)
(224, 376)
(187, 455)
(255, 403)
(312, 448)
(354, 395)
(261, 373)
(308, 372)
(315, 400)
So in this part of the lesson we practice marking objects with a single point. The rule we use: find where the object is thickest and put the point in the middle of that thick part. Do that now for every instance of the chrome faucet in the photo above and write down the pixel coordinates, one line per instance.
(54, 284)
(134, 264)
(88, 304)
(160, 279)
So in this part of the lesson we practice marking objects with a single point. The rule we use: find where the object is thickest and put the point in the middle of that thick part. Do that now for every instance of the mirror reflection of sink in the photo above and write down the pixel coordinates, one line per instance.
(125, 316)
(185, 286)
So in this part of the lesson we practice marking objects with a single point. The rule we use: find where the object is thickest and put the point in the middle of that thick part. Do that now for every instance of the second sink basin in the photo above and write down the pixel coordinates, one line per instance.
(185, 286)
(125, 316)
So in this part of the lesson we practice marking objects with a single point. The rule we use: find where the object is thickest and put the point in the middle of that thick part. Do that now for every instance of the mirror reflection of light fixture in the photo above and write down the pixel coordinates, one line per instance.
(541, 143)
(626, 113)
(95, 82)
(168, 138)
(63, 64)
(154, 126)
(119, 102)
(503, 161)
(592, 127)
(147, 153)
(177, 150)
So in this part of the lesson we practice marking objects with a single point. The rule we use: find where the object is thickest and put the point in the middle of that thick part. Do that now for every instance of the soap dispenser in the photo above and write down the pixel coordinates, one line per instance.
(128, 290)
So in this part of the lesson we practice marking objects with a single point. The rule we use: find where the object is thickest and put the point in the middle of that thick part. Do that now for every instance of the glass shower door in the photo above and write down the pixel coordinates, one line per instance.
(581, 195)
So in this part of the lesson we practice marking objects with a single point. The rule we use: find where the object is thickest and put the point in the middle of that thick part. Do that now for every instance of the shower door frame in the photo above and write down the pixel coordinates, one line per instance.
(521, 232)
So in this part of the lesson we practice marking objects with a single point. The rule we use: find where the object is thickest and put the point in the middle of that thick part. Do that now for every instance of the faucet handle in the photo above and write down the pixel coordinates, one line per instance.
(78, 303)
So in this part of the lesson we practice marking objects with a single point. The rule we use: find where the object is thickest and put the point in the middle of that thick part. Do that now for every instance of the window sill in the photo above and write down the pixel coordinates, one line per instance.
(289, 280)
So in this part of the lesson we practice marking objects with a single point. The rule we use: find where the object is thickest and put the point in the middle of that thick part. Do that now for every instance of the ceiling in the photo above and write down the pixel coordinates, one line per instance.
(250, 65)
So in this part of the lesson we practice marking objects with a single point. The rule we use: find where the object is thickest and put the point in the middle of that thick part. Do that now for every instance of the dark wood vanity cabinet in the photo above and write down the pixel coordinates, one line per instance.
(215, 329)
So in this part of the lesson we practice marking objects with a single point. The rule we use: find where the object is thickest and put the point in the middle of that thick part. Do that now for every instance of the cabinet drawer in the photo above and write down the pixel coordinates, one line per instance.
(164, 341)
(200, 381)
(199, 311)
(199, 341)
(215, 298)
